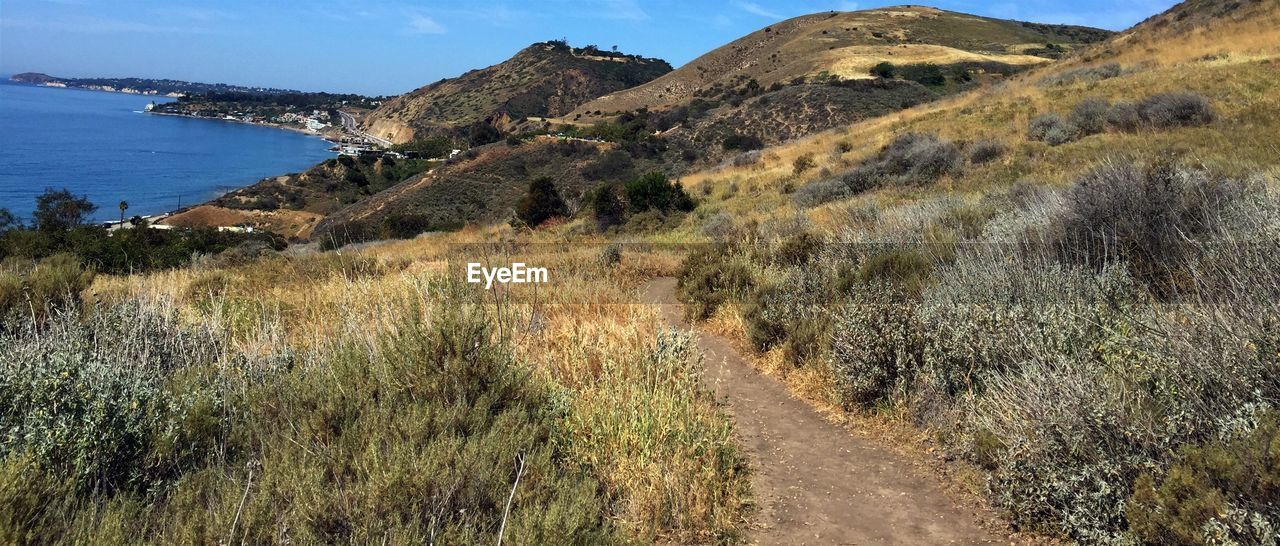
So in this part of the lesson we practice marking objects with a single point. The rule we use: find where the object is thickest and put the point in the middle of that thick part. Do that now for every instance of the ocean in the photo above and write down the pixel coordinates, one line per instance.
(102, 145)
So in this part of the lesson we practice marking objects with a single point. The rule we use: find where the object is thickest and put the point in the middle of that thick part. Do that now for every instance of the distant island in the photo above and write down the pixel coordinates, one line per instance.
(143, 86)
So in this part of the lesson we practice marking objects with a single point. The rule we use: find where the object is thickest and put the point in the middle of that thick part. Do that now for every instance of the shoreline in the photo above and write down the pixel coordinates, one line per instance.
(253, 123)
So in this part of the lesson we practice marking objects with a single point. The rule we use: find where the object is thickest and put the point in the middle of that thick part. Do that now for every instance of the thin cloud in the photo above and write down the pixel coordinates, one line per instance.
(756, 9)
(422, 24)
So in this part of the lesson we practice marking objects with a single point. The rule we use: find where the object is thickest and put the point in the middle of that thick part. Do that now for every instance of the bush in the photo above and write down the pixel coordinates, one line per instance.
(708, 278)
(1144, 217)
(42, 287)
(985, 151)
(802, 164)
(918, 159)
(1124, 117)
(747, 159)
(1220, 493)
(541, 203)
(608, 207)
(654, 191)
(1090, 116)
(95, 402)
(1084, 74)
(1052, 130)
(1169, 110)
(908, 271)
(875, 347)
(884, 69)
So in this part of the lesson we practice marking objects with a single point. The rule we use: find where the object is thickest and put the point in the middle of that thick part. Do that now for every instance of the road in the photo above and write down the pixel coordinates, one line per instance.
(817, 483)
(349, 124)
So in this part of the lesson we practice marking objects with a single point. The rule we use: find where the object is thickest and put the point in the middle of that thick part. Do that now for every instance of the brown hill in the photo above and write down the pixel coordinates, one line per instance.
(483, 186)
(848, 44)
(544, 79)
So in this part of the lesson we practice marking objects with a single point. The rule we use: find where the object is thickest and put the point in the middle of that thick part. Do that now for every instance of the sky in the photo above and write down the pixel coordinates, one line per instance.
(386, 47)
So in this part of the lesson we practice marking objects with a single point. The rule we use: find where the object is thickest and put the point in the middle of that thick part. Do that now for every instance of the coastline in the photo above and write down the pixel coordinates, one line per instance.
(254, 123)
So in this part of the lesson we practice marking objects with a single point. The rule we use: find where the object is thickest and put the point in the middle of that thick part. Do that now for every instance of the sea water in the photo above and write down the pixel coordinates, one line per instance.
(105, 146)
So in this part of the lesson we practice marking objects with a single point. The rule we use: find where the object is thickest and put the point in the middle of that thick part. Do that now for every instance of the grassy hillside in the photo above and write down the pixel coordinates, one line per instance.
(848, 45)
(292, 205)
(544, 79)
(1067, 280)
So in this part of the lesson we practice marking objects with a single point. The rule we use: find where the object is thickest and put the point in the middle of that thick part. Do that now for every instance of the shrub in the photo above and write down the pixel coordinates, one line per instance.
(1222, 492)
(844, 147)
(822, 191)
(720, 226)
(802, 164)
(1183, 109)
(907, 270)
(875, 347)
(1052, 130)
(1125, 117)
(926, 74)
(1084, 74)
(94, 402)
(541, 203)
(654, 191)
(884, 69)
(608, 207)
(985, 151)
(747, 159)
(611, 255)
(47, 286)
(1145, 217)
(708, 278)
(1090, 116)
(918, 159)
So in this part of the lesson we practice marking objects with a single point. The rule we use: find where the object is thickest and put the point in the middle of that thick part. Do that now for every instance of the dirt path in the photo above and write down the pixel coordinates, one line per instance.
(815, 482)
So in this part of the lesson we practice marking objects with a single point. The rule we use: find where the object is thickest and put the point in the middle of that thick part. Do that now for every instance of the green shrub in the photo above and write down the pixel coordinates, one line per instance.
(875, 347)
(42, 287)
(803, 164)
(907, 270)
(1222, 492)
(540, 204)
(884, 69)
(654, 191)
(710, 277)
(1182, 109)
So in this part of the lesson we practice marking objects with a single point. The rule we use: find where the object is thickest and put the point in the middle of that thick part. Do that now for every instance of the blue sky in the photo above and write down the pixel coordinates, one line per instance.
(392, 46)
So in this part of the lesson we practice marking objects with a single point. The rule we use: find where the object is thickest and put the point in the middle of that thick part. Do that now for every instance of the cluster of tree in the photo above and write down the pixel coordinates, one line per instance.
(652, 192)
(60, 225)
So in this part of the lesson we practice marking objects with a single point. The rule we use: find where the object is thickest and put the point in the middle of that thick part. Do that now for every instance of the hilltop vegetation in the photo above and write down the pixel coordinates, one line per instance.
(544, 80)
(848, 45)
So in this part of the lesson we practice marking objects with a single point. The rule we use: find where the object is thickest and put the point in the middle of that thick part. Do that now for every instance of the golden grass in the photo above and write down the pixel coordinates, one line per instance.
(637, 415)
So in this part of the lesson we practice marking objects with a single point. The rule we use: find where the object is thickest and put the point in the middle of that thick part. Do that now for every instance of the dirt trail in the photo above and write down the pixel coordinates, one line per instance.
(817, 483)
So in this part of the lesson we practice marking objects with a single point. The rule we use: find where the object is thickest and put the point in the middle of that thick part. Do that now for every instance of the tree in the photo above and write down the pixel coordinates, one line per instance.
(124, 205)
(542, 203)
(59, 210)
(608, 206)
(884, 70)
(654, 191)
(7, 220)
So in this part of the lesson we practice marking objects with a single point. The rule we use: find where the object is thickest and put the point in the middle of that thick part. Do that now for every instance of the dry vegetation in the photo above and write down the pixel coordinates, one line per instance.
(367, 396)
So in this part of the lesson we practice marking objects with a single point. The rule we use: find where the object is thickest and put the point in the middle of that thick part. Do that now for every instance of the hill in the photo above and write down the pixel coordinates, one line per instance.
(848, 45)
(484, 186)
(143, 86)
(544, 79)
